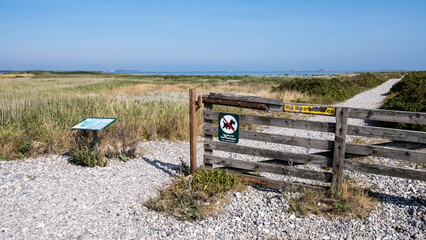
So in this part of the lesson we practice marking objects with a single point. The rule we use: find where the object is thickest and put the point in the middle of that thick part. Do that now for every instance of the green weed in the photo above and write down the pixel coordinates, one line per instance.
(196, 196)
(87, 158)
(352, 201)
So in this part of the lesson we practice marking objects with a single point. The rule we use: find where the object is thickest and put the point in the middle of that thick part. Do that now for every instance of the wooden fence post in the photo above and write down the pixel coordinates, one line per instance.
(339, 148)
(192, 131)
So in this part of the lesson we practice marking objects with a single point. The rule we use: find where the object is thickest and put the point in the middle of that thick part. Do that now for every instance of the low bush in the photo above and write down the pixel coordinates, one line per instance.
(24, 147)
(409, 94)
(87, 158)
(196, 196)
(353, 201)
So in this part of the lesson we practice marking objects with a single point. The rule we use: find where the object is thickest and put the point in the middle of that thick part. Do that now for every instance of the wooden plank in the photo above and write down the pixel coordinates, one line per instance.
(388, 115)
(245, 98)
(276, 138)
(388, 133)
(400, 154)
(208, 137)
(261, 152)
(278, 122)
(271, 168)
(386, 170)
(339, 149)
(251, 105)
(402, 145)
(275, 184)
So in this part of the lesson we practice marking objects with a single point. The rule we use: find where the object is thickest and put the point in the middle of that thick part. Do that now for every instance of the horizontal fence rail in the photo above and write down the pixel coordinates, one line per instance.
(271, 168)
(388, 115)
(278, 122)
(336, 153)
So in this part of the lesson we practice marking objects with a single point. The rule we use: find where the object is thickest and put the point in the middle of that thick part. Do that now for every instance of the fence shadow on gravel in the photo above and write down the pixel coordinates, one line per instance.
(397, 200)
(168, 168)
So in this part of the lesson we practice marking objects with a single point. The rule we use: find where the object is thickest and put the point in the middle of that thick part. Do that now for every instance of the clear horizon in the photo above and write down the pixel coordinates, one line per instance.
(212, 36)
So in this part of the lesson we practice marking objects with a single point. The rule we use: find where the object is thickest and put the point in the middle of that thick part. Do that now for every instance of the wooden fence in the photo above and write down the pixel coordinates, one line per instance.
(405, 145)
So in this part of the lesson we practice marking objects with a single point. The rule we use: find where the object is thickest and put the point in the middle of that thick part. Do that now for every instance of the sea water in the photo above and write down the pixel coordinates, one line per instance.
(231, 73)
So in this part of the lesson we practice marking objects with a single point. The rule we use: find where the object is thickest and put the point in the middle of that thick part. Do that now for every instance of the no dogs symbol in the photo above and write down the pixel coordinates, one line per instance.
(228, 127)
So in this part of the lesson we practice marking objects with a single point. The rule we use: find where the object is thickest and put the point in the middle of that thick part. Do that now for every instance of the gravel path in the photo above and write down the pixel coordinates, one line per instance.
(47, 198)
(372, 98)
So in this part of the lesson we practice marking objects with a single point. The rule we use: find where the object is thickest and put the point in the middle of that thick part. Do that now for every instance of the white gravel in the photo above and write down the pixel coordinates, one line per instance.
(48, 198)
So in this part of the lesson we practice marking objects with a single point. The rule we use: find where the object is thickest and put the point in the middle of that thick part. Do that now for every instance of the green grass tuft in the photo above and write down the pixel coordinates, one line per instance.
(353, 201)
(195, 196)
(87, 158)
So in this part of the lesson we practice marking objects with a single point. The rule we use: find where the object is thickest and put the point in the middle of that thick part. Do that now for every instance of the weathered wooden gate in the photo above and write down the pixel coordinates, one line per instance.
(331, 157)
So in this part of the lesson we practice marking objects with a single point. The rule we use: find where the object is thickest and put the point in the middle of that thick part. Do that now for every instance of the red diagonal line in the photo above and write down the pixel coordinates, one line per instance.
(229, 124)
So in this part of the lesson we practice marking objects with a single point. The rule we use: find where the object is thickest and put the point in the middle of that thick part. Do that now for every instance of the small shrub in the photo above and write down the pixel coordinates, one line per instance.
(87, 158)
(195, 196)
(352, 201)
(184, 168)
(214, 182)
(409, 94)
(23, 148)
(124, 140)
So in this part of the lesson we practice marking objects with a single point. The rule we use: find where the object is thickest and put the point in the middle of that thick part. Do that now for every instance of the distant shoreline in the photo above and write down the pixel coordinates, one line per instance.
(290, 73)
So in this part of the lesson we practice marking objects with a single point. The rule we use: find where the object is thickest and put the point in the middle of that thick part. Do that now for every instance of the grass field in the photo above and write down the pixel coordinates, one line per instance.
(37, 108)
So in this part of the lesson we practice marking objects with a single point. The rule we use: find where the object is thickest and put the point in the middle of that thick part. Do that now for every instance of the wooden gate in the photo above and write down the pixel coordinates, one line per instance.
(332, 157)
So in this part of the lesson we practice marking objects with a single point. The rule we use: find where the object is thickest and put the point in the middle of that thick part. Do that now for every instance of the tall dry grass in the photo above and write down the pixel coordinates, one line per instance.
(39, 113)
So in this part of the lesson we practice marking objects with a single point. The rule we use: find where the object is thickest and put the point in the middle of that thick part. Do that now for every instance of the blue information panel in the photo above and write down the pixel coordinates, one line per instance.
(93, 124)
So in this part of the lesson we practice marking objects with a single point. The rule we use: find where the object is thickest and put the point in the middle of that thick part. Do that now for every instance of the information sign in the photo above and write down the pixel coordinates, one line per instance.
(228, 127)
(93, 124)
(309, 109)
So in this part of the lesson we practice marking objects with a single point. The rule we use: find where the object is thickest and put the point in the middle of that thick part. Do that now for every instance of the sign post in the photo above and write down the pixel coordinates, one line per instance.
(94, 125)
(228, 127)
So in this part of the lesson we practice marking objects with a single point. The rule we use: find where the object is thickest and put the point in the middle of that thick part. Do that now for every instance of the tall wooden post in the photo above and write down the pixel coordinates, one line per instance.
(339, 149)
(192, 131)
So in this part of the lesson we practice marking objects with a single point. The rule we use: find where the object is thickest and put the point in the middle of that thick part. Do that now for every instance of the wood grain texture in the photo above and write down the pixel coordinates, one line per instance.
(276, 138)
(208, 137)
(278, 122)
(377, 151)
(271, 168)
(267, 153)
(388, 115)
(385, 170)
(388, 133)
(339, 149)
(245, 98)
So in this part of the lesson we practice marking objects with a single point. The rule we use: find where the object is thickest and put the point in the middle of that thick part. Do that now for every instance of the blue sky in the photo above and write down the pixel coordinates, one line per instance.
(213, 35)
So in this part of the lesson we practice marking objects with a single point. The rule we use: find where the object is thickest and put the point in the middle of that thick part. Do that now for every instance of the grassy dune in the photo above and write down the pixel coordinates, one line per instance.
(37, 108)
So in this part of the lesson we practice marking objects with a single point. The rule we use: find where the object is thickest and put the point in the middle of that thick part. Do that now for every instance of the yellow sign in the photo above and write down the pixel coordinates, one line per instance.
(309, 109)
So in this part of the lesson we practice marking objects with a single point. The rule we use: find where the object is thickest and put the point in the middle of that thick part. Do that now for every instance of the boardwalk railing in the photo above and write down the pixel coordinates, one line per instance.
(335, 153)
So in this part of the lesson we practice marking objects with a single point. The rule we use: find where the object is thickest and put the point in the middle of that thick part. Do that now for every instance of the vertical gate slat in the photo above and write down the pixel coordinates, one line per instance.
(208, 137)
(339, 148)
